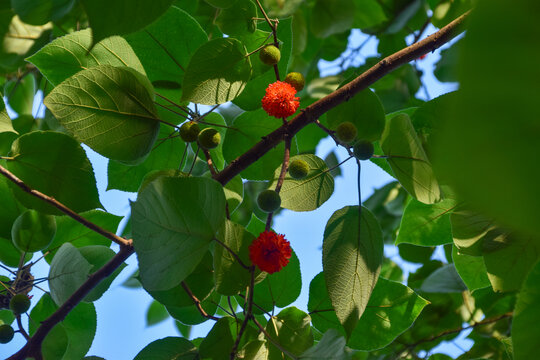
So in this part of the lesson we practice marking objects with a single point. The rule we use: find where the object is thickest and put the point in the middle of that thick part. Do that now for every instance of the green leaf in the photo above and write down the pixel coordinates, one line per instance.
(200, 282)
(471, 269)
(526, 321)
(250, 99)
(156, 313)
(174, 220)
(234, 193)
(231, 277)
(6, 316)
(20, 94)
(352, 258)
(63, 171)
(280, 288)
(495, 118)
(444, 280)
(509, 257)
(121, 17)
(331, 346)
(409, 161)
(190, 315)
(368, 13)
(330, 17)
(165, 154)
(43, 11)
(70, 339)
(217, 72)
(247, 130)
(220, 340)
(309, 193)
(72, 231)
(365, 111)
(69, 270)
(67, 55)
(169, 348)
(5, 122)
(165, 46)
(426, 224)
(238, 20)
(223, 4)
(9, 254)
(255, 225)
(392, 309)
(10, 209)
(97, 256)
(109, 109)
(469, 229)
(291, 328)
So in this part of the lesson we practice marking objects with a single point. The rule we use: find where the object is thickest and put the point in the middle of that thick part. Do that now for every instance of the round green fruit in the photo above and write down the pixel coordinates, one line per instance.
(346, 132)
(270, 55)
(298, 169)
(269, 201)
(363, 150)
(33, 231)
(19, 304)
(6, 333)
(296, 80)
(189, 131)
(209, 138)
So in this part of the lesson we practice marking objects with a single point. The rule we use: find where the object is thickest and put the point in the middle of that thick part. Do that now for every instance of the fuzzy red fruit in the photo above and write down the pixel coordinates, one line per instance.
(280, 100)
(270, 251)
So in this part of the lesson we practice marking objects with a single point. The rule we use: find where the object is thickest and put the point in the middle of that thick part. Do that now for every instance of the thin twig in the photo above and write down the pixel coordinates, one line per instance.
(197, 302)
(21, 328)
(248, 313)
(63, 208)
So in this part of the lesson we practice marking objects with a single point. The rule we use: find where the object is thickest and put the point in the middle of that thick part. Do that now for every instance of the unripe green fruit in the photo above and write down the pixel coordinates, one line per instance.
(296, 80)
(19, 304)
(298, 169)
(270, 55)
(209, 138)
(363, 150)
(346, 132)
(6, 333)
(269, 201)
(189, 131)
(33, 231)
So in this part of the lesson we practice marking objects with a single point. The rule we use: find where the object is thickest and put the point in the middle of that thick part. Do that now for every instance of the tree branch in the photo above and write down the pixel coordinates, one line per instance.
(63, 208)
(346, 92)
(33, 346)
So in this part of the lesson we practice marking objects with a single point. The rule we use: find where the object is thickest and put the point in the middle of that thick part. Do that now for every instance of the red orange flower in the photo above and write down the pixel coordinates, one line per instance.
(280, 100)
(270, 251)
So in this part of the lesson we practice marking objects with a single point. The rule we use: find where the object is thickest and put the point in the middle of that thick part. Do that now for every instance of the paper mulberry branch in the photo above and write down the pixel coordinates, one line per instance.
(346, 92)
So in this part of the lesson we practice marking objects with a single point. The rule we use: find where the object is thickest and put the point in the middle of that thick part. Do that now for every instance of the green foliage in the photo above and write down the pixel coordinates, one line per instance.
(121, 77)
(352, 257)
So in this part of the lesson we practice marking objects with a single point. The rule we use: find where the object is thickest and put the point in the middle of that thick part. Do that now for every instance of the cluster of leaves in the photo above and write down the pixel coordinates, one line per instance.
(122, 76)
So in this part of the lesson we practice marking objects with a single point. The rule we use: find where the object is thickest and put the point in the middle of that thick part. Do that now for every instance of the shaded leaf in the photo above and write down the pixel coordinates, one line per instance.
(169, 348)
(121, 17)
(174, 220)
(444, 280)
(352, 259)
(309, 193)
(426, 224)
(63, 171)
(408, 160)
(217, 72)
(291, 329)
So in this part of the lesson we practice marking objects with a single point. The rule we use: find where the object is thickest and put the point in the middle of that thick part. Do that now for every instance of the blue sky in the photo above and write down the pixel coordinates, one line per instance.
(122, 332)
